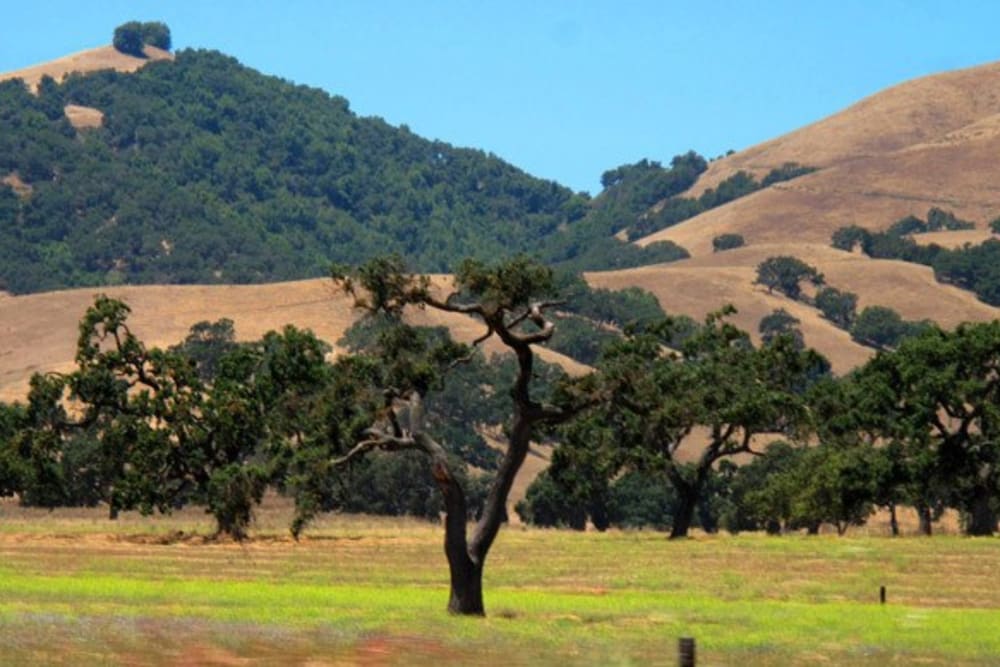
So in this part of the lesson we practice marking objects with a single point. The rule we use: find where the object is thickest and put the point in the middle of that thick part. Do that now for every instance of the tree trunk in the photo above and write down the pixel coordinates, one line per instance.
(812, 528)
(982, 520)
(893, 520)
(684, 512)
(925, 520)
(466, 587)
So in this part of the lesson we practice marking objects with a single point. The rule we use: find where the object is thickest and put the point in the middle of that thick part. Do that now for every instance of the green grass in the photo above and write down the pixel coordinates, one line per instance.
(362, 591)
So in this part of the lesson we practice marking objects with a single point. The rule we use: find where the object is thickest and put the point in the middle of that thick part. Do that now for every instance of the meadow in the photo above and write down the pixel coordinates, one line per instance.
(78, 589)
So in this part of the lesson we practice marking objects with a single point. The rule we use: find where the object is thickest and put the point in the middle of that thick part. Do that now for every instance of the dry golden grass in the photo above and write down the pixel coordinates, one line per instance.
(90, 60)
(38, 332)
(84, 117)
(928, 142)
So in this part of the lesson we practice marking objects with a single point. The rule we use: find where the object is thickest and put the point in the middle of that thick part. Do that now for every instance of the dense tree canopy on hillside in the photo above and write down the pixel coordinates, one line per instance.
(207, 171)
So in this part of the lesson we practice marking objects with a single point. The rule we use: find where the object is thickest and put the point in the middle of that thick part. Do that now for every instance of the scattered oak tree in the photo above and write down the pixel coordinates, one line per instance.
(785, 274)
(510, 299)
(713, 398)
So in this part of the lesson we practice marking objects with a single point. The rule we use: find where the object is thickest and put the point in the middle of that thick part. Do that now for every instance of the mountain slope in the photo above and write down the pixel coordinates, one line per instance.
(928, 142)
(198, 169)
(38, 331)
(90, 60)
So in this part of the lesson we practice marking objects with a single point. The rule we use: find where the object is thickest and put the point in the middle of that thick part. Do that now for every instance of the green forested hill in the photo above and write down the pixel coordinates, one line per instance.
(207, 171)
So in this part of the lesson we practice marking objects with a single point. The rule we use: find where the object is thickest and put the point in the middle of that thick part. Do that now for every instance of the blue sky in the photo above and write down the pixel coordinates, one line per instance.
(564, 90)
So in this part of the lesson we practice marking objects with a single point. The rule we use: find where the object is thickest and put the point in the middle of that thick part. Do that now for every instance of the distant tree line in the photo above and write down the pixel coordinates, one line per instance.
(875, 326)
(969, 267)
(914, 426)
(678, 209)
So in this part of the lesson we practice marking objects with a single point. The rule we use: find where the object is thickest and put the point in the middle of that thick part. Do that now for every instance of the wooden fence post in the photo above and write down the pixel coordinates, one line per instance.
(686, 652)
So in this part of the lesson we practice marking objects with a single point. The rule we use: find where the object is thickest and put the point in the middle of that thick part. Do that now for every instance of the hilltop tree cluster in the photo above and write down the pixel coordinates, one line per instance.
(131, 37)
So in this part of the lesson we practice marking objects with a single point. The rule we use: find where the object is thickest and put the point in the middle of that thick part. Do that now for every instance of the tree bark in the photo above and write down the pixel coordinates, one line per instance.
(684, 514)
(982, 520)
(466, 588)
(893, 520)
(925, 520)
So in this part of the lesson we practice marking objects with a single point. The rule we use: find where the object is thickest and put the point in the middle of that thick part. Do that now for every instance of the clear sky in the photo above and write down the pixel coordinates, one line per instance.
(564, 90)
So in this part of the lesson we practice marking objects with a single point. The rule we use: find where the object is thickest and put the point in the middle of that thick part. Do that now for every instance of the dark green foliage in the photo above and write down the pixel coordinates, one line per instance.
(975, 268)
(785, 274)
(837, 306)
(629, 192)
(995, 226)
(727, 242)
(128, 38)
(630, 307)
(678, 209)
(738, 185)
(718, 381)
(911, 224)
(780, 323)
(148, 434)
(13, 419)
(970, 267)
(881, 327)
(156, 33)
(206, 171)
(937, 395)
(131, 37)
(759, 492)
(847, 238)
(938, 219)
(207, 344)
(640, 499)
(785, 172)
(549, 504)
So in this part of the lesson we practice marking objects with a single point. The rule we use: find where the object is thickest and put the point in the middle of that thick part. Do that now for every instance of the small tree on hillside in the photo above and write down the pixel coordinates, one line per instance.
(727, 242)
(785, 274)
(837, 306)
(780, 323)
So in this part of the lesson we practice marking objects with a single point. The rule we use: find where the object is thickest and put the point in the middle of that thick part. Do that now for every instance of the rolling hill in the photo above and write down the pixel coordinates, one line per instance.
(926, 142)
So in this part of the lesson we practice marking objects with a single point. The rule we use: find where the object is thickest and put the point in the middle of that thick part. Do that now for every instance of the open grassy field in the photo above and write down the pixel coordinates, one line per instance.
(77, 589)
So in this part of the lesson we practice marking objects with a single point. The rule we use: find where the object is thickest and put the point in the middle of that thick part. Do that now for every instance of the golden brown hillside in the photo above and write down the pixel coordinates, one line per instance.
(38, 331)
(928, 142)
(700, 285)
(91, 60)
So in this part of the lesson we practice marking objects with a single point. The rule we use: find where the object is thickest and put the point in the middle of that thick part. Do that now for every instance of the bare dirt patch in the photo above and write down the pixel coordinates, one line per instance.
(83, 118)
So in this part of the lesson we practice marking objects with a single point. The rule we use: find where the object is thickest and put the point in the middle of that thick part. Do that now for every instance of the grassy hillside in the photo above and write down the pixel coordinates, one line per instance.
(927, 142)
